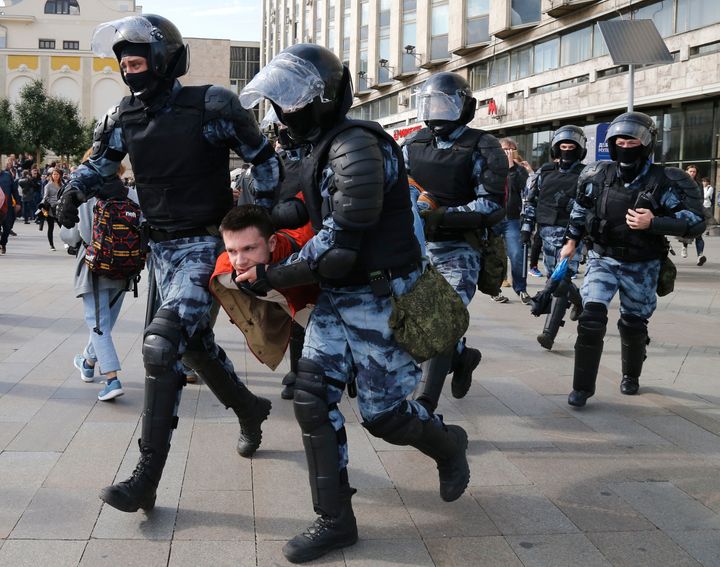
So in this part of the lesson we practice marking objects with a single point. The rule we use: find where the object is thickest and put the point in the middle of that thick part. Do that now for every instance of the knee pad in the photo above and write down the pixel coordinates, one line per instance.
(632, 325)
(162, 342)
(593, 321)
(310, 401)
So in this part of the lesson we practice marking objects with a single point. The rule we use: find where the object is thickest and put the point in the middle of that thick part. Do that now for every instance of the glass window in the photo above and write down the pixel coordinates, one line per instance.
(46, 44)
(545, 55)
(521, 63)
(524, 12)
(439, 33)
(672, 135)
(409, 63)
(540, 150)
(694, 14)
(71, 45)
(698, 131)
(319, 16)
(479, 76)
(500, 70)
(477, 22)
(384, 41)
(3, 37)
(70, 7)
(661, 13)
(576, 46)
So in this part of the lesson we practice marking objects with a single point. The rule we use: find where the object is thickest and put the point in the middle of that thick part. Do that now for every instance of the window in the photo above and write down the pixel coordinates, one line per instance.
(319, 16)
(694, 14)
(70, 7)
(384, 41)
(698, 50)
(521, 63)
(3, 37)
(479, 76)
(439, 30)
(661, 13)
(71, 45)
(346, 32)
(698, 130)
(524, 12)
(363, 60)
(331, 25)
(46, 44)
(500, 70)
(576, 46)
(476, 23)
(546, 55)
(409, 8)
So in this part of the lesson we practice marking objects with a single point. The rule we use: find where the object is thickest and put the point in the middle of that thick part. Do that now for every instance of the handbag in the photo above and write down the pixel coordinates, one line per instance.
(430, 318)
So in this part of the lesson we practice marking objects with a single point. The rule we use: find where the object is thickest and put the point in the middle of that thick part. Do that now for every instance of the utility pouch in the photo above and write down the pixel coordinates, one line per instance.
(430, 318)
(666, 278)
(493, 264)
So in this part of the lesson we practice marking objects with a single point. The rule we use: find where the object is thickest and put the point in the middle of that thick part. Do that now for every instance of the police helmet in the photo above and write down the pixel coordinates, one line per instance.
(569, 134)
(446, 97)
(167, 54)
(307, 85)
(632, 125)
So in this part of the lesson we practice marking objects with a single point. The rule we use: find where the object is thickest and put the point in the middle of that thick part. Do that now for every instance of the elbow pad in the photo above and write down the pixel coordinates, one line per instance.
(336, 263)
(290, 215)
(280, 276)
(670, 226)
(471, 220)
(358, 166)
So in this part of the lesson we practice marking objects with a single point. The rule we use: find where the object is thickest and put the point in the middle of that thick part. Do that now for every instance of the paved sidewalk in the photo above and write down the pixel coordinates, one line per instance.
(627, 481)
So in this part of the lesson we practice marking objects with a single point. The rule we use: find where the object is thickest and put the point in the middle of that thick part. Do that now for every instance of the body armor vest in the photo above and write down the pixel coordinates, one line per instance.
(605, 222)
(556, 190)
(292, 184)
(446, 174)
(391, 243)
(183, 182)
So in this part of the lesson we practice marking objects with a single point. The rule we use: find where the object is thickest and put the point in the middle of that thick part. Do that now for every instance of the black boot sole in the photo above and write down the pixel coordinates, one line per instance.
(287, 393)
(579, 401)
(315, 553)
(112, 498)
(545, 341)
(247, 449)
(459, 387)
(460, 488)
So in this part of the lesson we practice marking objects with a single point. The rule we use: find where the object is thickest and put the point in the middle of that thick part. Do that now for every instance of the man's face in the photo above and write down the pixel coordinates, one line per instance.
(567, 146)
(627, 142)
(34, 172)
(247, 248)
(692, 172)
(133, 64)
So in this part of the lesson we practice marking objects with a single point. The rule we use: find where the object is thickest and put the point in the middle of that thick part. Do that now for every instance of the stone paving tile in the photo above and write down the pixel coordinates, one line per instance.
(59, 513)
(645, 549)
(522, 510)
(685, 435)
(31, 553)
(366, 470)
(703, 545)
(13, 502)
(215, 515)
(490, 551)
(215, 553)
(490, 467)
(269, 554)
(128, 553)
(567, 550)
(704, 488)
(386, 553)
(8, 431)
(666, 506)
(23, 401)
(381, 514)
(521, 399)
(53, 427)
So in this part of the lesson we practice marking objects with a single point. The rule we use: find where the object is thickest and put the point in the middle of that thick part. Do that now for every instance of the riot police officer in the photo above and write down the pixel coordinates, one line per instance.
(178, 140)
(549, 201)
(364, 252)
(463, 170)
(626, 207)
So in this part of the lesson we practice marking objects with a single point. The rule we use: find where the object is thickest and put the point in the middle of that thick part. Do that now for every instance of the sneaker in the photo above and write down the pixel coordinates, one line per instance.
(701, 260)
(535, 272)
(525, 297)
(87, 373)
(52, 249)
(112, 390)
(683, 252)
(505, 283)
(13, 233)
(500, 298)
(3, 249)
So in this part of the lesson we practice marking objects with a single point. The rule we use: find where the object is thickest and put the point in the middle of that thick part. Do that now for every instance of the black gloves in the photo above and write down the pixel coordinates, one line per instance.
(67, 207)
(432, 219)
(260, 287)
(525, 236)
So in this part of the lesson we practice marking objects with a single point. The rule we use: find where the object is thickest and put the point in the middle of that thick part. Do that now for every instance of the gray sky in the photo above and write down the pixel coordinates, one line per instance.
(239, 20)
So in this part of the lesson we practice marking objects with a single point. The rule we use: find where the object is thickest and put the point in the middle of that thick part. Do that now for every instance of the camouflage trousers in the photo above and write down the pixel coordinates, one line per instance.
(635, 281)
(348, 336)
(552, 243)
(459, 263)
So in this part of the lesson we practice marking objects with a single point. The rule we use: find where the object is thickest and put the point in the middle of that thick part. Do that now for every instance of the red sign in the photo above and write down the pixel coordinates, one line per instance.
(403, 132)
(492, 107)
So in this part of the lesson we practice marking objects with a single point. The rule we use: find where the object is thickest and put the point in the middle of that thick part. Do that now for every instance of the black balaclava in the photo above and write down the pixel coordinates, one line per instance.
(442, 128)
(569, 157)
(145, 85)
(631, 161)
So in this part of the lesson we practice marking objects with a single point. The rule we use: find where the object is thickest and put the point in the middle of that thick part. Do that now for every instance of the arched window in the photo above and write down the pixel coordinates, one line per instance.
(62, 7)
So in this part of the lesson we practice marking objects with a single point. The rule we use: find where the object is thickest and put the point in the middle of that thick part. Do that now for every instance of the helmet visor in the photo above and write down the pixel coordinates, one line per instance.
(288, 81)
(269, 119)
(630, 129)
(573, 136)
(437, 105)
(134, 29)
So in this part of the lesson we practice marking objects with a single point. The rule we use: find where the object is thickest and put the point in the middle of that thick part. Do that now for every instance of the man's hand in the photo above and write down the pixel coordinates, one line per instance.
(568, 249)
(250, 276)
(67, 207)
(254, 280)
(432, 219)
(639, 219)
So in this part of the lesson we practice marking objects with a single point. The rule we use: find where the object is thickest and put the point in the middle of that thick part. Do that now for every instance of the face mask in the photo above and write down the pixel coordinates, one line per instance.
(442, 128)
(569, 157)
(285, 140)
(631, 161)
(145, 85)
(300, 124)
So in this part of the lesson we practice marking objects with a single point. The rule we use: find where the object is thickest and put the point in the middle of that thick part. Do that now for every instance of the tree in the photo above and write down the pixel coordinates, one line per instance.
(6, 127)
(35, 125)
(69, 136)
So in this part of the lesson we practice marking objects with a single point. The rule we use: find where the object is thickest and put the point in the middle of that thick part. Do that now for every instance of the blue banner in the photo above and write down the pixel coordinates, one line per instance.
(601, 147)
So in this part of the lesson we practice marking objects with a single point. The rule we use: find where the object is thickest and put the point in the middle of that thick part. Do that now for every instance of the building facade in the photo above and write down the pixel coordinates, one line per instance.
(533, 64)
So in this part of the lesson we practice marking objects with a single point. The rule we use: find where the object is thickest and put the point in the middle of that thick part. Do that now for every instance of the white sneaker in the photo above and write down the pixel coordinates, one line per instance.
(683, 252)
(500, 298)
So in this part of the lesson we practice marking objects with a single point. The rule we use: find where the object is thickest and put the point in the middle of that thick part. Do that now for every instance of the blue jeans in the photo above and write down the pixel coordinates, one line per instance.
(510, 230)
(27, 210)
(100, 348)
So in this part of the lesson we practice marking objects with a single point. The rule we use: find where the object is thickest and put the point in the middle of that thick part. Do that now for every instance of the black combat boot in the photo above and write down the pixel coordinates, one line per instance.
(140, 489)
(250, 426)
(633, 340)
(553, 322)
(297, 338)
(588, 351)
(326, 533)
(463, 366)
(435, 372)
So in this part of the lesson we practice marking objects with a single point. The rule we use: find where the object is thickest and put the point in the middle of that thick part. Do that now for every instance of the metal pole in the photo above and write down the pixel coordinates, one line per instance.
(631, 87)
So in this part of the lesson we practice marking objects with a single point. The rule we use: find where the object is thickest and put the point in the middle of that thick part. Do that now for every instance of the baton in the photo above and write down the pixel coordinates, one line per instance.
(525, 260)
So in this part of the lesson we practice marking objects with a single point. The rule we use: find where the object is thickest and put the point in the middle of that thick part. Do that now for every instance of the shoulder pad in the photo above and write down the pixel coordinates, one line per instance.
(221, 102)
(107, 123)
(350, 140)
(549, 166)
(423, 135)
(595, 168)
(678, 175)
